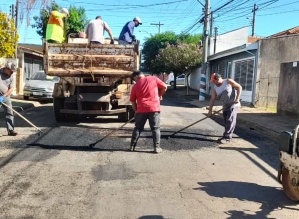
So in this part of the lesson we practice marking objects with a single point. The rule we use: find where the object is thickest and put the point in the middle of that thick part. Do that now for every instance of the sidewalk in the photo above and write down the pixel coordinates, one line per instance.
(264, 122)
(19, 105)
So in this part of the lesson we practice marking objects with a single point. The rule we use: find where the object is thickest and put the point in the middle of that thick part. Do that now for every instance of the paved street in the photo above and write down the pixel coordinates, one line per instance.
(58, 176)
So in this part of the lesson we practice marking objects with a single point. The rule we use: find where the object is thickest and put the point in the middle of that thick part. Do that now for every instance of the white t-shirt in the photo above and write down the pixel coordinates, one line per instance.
(95, 30)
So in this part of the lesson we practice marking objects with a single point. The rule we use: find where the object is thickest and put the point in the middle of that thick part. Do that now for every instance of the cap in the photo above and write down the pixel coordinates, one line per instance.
(138, 19)
(214, 77)
(64, 11)
(136, 73)
(11, 66)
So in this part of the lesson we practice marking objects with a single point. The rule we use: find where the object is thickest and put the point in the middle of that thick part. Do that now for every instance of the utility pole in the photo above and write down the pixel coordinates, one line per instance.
(211, 23)
(255, 8)
(202, 89)
(215, 39)
(17, 13)
(159, 24)
(12, 11)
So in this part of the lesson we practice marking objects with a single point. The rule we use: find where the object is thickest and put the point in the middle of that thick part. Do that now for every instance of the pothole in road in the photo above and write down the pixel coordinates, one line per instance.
(112, 172)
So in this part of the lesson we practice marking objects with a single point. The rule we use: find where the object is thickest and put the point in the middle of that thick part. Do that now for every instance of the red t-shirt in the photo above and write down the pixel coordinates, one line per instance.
(145, 91)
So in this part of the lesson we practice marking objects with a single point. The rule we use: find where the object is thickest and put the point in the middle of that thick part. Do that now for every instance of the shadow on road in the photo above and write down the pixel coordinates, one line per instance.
(82, 148)
(270, 198)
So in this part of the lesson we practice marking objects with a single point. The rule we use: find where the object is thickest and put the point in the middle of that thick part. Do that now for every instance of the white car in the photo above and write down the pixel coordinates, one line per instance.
(39, 85)
(180, 80)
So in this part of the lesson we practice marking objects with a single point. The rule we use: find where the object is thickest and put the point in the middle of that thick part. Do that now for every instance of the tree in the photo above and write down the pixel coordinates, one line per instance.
(151, 49)
(181, 58)
(155, 43)
(77, 21)
(74, 24)
(8, 36)
(41, 21)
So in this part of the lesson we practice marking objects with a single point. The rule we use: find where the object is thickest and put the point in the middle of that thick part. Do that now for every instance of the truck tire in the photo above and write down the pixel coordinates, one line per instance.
(123, 117)
(131, 113)
(58, 104)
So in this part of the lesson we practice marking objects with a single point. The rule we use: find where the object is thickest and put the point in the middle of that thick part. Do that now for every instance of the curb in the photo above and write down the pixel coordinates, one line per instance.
(268, 133)
(19, 108)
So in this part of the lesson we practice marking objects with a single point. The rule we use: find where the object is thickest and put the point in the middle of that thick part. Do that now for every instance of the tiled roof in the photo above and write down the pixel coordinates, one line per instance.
(253, 39)
(291, 31)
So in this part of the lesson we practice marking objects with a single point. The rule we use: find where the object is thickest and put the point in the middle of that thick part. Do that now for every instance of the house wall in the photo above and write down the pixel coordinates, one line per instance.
(222, 67)
(229, 40)
(273, 52)
(288, 103)
(194, 79)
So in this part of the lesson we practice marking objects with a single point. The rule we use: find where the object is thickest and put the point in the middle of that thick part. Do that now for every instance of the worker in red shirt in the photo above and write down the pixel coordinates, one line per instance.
(145, 97)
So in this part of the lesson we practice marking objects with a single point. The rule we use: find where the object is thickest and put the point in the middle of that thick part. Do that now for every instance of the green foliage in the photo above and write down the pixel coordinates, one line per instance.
(181, 58)
(152, 46)
(155, 43)
(74, 24)
(41, 21)
(8, 36)
(77, 21)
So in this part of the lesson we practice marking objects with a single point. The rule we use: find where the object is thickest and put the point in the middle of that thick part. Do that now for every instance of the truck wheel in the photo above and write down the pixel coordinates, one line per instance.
(291, 190)
(123, 117)
(58, 104)
(131, 113)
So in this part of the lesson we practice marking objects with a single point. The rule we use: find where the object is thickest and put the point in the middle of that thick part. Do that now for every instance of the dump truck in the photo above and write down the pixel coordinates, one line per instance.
(95, 79)
(288, 171)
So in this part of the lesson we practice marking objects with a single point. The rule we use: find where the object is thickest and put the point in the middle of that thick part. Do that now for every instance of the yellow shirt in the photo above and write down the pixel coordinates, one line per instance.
(55, 27)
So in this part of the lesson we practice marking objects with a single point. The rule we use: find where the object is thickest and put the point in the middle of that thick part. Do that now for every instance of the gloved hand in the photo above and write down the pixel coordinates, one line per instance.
(1, 99)
(133, 37)
(112, 41)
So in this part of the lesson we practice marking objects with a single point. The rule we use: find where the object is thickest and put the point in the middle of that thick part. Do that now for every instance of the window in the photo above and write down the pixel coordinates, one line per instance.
(243, 73)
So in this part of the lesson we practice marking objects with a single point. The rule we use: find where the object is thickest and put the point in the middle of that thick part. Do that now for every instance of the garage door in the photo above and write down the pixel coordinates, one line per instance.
(243, 73)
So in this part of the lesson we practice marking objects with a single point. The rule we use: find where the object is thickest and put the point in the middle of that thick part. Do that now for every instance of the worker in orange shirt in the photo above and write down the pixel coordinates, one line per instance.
(55, 27)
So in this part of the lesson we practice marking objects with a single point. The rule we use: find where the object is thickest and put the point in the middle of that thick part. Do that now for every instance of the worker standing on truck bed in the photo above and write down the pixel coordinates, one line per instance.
(6, 88)
(145, 98)
(55, 27)
(95, 31)
(229, 91)
(127, 34)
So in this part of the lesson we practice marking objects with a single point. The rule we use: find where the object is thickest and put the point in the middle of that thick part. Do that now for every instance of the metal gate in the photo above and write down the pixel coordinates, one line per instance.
(243, 73)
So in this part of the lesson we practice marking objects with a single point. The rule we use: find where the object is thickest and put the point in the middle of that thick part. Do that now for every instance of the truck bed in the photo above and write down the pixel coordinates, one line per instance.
(77, 59)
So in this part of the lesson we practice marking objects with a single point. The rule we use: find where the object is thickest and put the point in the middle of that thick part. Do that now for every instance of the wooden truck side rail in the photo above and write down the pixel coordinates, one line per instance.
(79, 60)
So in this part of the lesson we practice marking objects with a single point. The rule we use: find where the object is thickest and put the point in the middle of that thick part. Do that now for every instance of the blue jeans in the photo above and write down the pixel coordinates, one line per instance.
(9, 117)
(154, 122)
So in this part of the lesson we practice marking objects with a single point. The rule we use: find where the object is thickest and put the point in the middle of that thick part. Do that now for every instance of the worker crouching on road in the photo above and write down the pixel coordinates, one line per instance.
(229, 92)
(55, 27)
(145, 97)
(6, 88)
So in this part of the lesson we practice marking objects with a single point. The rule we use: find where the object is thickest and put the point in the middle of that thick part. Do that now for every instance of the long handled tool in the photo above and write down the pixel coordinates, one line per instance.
(40, 131)
(215, 112)
(114, 130)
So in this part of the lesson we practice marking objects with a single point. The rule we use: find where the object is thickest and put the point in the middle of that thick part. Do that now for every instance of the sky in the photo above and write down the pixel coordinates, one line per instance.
(178, 16)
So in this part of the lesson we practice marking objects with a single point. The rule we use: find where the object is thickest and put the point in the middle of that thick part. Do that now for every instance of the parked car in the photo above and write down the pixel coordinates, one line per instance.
(39, 85)
(180, 80)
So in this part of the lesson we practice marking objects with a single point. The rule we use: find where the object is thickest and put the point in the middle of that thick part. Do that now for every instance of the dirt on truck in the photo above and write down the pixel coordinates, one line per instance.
(95, 79)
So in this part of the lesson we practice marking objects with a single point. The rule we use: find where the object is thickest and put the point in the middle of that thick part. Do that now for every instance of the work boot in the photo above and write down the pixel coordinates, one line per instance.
(131, 148)
(157, 150)
(12, 133)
